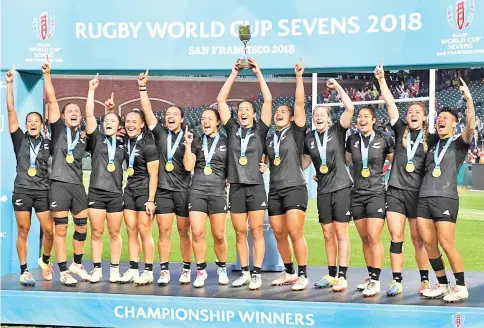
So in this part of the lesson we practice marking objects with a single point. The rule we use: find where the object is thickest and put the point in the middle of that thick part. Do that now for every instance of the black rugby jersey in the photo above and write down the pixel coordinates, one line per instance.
(379, 148)
(338, 176)
(215, 183)
(446, 184)
(399, 176)
(61, 170)
(144, 153)
(289, 173)
(249, 173)
(22, 144)
(101, 178)
(179, 178)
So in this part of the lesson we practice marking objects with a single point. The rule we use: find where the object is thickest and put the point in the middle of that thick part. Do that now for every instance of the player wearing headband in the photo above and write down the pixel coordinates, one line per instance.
(325, 147)
(105, 194)
(247, 195)
(31, 186)
(368, 150)
(438, 203)
(208, 195)
(67, 191)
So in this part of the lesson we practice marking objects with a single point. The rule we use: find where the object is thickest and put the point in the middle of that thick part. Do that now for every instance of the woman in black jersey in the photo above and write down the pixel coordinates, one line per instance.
(31, 186)
(438, 203)
(325, 147)
(247, 195)
(106, 184)
(139, 196)
(288, 194)
(368, 150)
(67, 191)
(208, 196)
(403, 187)
(173, 184)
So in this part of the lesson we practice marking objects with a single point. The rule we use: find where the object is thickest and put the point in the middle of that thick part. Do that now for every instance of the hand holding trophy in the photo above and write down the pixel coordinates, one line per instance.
(244, 36)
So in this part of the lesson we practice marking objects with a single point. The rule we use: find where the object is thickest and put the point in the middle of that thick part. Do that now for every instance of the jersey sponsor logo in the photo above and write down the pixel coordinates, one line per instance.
(357, 144)
(53, 204)
(348, 213)
(446, 212)
(271, 144)
(90, 203)
(18, 202)
(312, 145)
(222, 148)
(225, 208)
(263, 204)
(189, 205)
(380, 210)
(283, 137)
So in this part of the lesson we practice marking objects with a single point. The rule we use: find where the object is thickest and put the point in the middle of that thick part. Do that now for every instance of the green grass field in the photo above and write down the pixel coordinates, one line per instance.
(469, 239)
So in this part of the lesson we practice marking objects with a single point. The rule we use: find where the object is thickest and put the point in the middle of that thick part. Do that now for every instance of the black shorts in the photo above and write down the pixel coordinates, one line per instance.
(335, 206)
(291, 198)
(25, 200)
(367, 206)
(209, 204)
(244, 198)
(67, 197)
(105, 200)
(135, 200)
(402, 201)
(168, 201)
(438, 208)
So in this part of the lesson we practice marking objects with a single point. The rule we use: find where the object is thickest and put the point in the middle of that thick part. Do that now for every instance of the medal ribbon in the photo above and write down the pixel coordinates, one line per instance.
(364, 150)
(321, 148)
(208, 155)
(172, 150)
(277, 141)
(111, 148)
(131, 151)
(34, 152)
(438, 157)
(412, 150)
(244, 142)
(71, 144)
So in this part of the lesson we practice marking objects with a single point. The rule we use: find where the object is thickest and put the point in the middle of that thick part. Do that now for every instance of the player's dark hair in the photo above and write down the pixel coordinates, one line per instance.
(34, 113)
(69, 103)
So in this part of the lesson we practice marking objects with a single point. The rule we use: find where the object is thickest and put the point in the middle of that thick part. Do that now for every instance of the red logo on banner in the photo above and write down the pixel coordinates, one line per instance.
(458, 320)
(463, 12)
(44, 25)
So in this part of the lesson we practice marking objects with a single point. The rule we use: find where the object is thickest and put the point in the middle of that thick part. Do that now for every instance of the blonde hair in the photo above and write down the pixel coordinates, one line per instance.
(424, 129)
(328, 112)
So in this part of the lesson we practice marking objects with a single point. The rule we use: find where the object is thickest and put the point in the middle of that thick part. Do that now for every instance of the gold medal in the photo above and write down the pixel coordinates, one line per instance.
(410, 167)
(365, 173)
(169, 166)
(323, 169)
(130, 171)
(243, 160)
(111, 167)
(207, 170)
(70, 158)
(437, 172)
(32, 172)
(277, 161)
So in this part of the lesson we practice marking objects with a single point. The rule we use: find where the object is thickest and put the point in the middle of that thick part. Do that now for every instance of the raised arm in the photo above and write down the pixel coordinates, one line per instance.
(12, 115)
(91, 123)
(299, 112)
(392, 109)
(223, 108)
(54, 112)
(145, 100)
(266, 113)
(347, 116)
(468, 132)
(189, 158)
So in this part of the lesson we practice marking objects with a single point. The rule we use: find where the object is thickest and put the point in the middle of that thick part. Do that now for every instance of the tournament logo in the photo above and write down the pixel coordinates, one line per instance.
(462, 15)
(44, 25)
(458, 320)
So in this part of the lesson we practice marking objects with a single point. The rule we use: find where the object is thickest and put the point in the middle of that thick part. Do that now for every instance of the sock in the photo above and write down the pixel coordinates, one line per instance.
(164, 265)
(220, 264)
(62, 266)
(375, 274)
(369, 270)
(245, 269)
(78, 258)
(424, 275)
(186, 265)
(45, 258)
(97, 265)
(149, 266)
(114, 265)
(256, 270)
(459, 279)
(133, 265)
(23, 268)
(342, 272)
(289, 268)
(332, 269)
(443, 280)
(302, 271)
(397, 276)
(201, 266)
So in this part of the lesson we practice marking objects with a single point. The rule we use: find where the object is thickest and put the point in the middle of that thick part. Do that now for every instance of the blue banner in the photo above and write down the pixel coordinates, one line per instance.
(186, 35)
(111, 310)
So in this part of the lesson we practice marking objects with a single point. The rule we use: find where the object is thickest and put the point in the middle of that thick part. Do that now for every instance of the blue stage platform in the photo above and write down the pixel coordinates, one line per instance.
(113, 305)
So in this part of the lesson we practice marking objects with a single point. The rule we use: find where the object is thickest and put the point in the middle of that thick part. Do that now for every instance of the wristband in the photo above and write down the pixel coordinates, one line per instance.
(150, 201)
